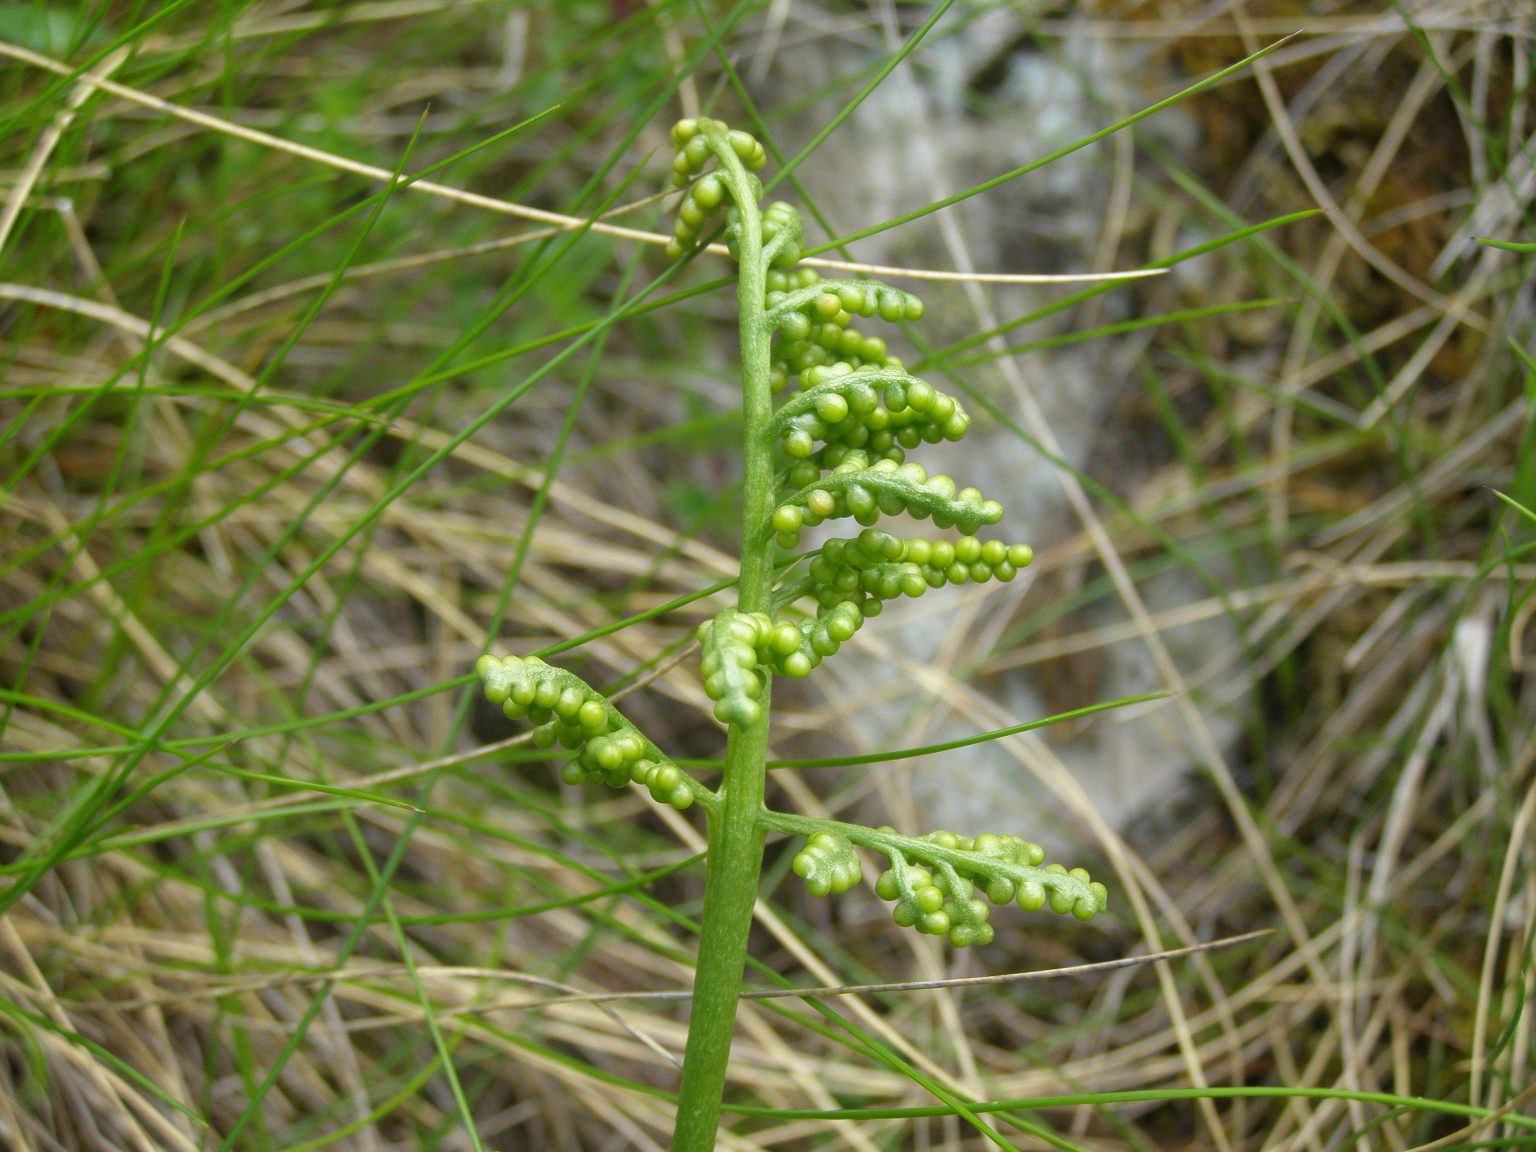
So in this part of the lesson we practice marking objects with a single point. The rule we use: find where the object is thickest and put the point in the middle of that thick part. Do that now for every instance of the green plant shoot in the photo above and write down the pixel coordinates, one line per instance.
(836, 449)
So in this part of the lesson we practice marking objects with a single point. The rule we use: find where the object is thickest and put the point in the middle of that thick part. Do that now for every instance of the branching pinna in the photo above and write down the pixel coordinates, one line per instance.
(836, 449)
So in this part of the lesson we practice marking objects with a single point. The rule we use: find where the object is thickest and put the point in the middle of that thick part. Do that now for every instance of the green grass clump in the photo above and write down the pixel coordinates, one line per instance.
(335, 338)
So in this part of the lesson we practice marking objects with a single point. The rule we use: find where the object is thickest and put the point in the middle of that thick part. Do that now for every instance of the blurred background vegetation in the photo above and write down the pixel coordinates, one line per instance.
(338, 345)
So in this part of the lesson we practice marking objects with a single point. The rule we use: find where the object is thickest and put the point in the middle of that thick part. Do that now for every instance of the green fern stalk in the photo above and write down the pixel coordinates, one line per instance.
(836, 449)
(736, 834)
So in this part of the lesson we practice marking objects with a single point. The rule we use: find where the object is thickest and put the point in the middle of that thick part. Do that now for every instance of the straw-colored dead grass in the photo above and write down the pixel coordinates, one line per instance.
(217, 554)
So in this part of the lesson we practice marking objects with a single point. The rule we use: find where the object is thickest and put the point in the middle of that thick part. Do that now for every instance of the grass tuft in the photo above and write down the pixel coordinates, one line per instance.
(334, 340)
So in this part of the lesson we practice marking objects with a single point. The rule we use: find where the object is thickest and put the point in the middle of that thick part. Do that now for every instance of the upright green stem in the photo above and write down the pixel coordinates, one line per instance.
(864, 409)
(735, 830)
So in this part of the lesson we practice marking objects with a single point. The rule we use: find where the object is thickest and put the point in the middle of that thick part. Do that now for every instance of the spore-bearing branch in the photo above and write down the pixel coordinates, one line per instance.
(865, 492)
(880, 411)
(934, 879)
(568, 711)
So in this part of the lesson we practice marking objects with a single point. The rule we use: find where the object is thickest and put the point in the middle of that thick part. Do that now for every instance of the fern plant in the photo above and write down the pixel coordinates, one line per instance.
(835, 449)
